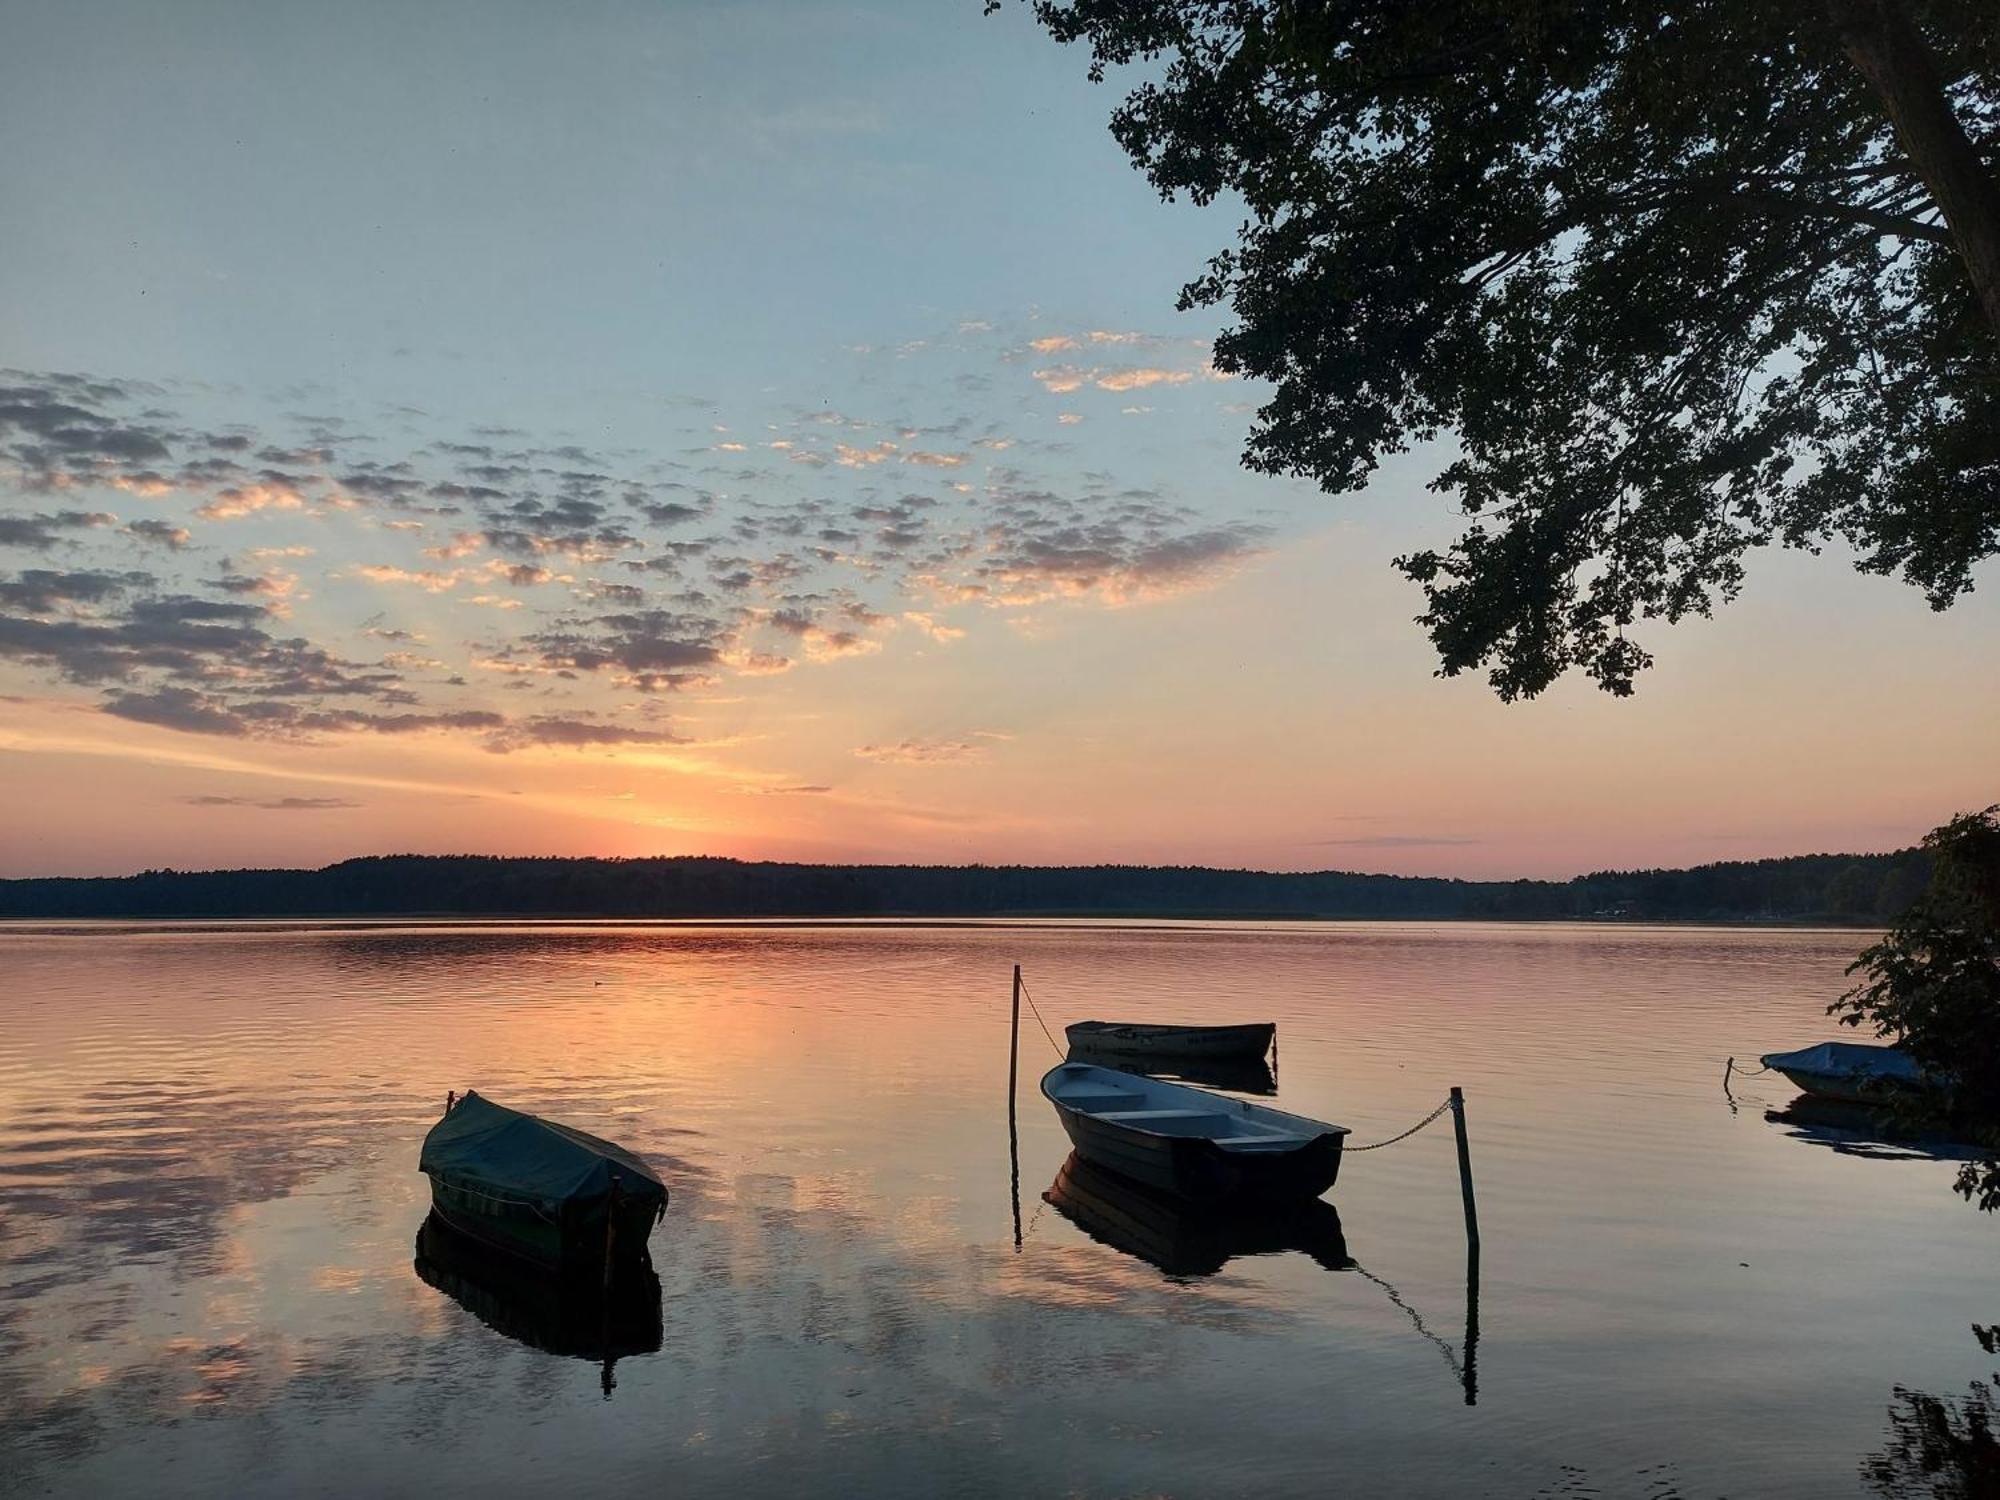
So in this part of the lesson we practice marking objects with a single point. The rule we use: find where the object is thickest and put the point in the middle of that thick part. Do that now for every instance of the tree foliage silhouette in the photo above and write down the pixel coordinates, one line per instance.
(1680, 281)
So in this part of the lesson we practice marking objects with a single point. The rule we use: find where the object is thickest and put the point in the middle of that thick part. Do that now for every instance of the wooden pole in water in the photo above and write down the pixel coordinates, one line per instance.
(1013, 1133)
(1464, 1167)
(1014, 1043)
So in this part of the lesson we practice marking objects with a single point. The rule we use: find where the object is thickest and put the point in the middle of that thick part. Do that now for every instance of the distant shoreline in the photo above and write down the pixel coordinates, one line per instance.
(1830, 890)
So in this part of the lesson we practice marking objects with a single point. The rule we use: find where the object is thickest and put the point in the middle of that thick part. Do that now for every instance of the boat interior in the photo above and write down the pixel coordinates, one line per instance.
(1157, 1108)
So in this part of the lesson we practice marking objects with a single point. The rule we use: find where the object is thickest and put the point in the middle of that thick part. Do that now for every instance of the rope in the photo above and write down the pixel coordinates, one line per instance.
(1060, 1051)
(1406, 1134)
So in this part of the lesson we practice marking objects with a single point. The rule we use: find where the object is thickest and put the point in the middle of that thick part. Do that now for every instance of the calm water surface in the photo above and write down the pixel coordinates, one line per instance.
(208, 1202)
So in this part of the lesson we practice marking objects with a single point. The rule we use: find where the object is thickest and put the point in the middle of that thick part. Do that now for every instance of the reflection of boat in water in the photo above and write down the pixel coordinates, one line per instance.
(577, 1317)
(1848, 1070)
(1239, 1075)
(1136, 1039)
(1184, 1240)
(547, 1192)
(1857, 1129)
(1189, 1142)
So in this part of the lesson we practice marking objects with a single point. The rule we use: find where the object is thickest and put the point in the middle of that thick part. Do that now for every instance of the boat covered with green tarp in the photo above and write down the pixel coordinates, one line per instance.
(532, 1187)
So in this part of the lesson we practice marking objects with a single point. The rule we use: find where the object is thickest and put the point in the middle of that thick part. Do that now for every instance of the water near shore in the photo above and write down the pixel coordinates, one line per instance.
(209, 1208)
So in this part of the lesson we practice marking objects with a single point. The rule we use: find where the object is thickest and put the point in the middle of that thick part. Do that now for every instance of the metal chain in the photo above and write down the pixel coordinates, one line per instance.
(1377, 1146)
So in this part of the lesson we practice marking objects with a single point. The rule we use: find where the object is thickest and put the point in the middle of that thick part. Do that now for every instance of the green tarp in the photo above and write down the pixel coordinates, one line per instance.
(486, 1145)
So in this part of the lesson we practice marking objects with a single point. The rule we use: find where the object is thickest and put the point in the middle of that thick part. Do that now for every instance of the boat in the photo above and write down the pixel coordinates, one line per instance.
(1137, 1040)
(1184, 1240)
(1188, 1142)
(541, 1191)
(1848, 1070)
(1238, 1075)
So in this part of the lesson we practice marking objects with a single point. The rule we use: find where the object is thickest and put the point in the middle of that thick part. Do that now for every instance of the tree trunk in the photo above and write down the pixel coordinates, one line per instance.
(1898, 64)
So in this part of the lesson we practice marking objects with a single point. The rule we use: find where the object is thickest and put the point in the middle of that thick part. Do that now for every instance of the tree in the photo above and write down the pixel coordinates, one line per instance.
(1932, 986)
(1680, 280)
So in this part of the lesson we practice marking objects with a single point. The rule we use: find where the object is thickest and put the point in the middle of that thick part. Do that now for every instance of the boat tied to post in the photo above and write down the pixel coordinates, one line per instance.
(1189, 1142)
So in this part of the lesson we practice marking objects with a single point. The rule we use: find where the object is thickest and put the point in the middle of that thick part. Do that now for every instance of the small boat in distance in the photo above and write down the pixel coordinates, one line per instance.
(542, 1191)
(1848, 1070)
(1189, 1142)
(1131, 1038)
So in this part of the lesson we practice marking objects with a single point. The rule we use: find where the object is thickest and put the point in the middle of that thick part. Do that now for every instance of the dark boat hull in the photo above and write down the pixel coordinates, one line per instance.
(1240, 1075)
(1198, 1170)
(1135, 1040)
(573, 1240)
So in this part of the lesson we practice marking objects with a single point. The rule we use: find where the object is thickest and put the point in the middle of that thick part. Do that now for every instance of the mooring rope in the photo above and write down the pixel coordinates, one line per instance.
(1377, 1146)
(1060, 1052)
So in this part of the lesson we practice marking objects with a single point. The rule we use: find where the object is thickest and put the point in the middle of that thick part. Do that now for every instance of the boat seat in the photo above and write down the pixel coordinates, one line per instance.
(1254, 1142)
(1127, 1115)
(1091, 1103)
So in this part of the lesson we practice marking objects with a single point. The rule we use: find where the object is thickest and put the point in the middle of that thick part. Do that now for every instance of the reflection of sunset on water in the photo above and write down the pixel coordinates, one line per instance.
(209, 1161)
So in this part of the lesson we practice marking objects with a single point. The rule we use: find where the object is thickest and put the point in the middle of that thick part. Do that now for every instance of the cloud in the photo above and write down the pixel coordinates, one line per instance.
(784, 791)
(40, 591)
(850, 457)
(918, 752)
(1139, 379)
(427, 579)
(274, 804)
(546, 730)
(44, 531)
(1055, 343)
(731, 569)
(161, 533)
(248, 499)
(646, 649)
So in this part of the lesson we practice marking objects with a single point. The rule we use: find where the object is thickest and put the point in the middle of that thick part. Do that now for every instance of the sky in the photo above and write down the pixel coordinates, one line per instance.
(765, 430)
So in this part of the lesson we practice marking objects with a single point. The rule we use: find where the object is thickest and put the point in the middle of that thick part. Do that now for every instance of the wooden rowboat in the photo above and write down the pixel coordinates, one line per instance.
(538, 1190)
(1189, 1142)
(1137, 1040)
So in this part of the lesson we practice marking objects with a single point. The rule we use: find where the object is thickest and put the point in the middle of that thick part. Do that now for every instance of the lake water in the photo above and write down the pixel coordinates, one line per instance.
(209, 1202)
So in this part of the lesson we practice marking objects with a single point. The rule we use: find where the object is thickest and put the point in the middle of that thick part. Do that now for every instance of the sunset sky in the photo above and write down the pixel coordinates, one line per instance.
(765, 430)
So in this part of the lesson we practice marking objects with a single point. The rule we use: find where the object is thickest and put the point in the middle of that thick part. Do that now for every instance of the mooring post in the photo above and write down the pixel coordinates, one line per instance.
(1014, 1042)
(1013, 1132)
(1464, 1167)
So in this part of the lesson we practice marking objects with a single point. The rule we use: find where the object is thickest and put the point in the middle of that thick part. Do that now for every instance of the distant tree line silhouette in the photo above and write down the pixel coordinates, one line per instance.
(1856, 888)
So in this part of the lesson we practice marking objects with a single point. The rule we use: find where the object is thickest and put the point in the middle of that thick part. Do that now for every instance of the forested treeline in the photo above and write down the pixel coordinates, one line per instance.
(1861, 888)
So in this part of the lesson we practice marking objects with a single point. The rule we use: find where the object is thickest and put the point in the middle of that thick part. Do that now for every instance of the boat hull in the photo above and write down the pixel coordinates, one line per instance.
(1239, 1075)
(1842, 1086)
(1198, 1170)
(572, 1240)
(1133, 1040)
